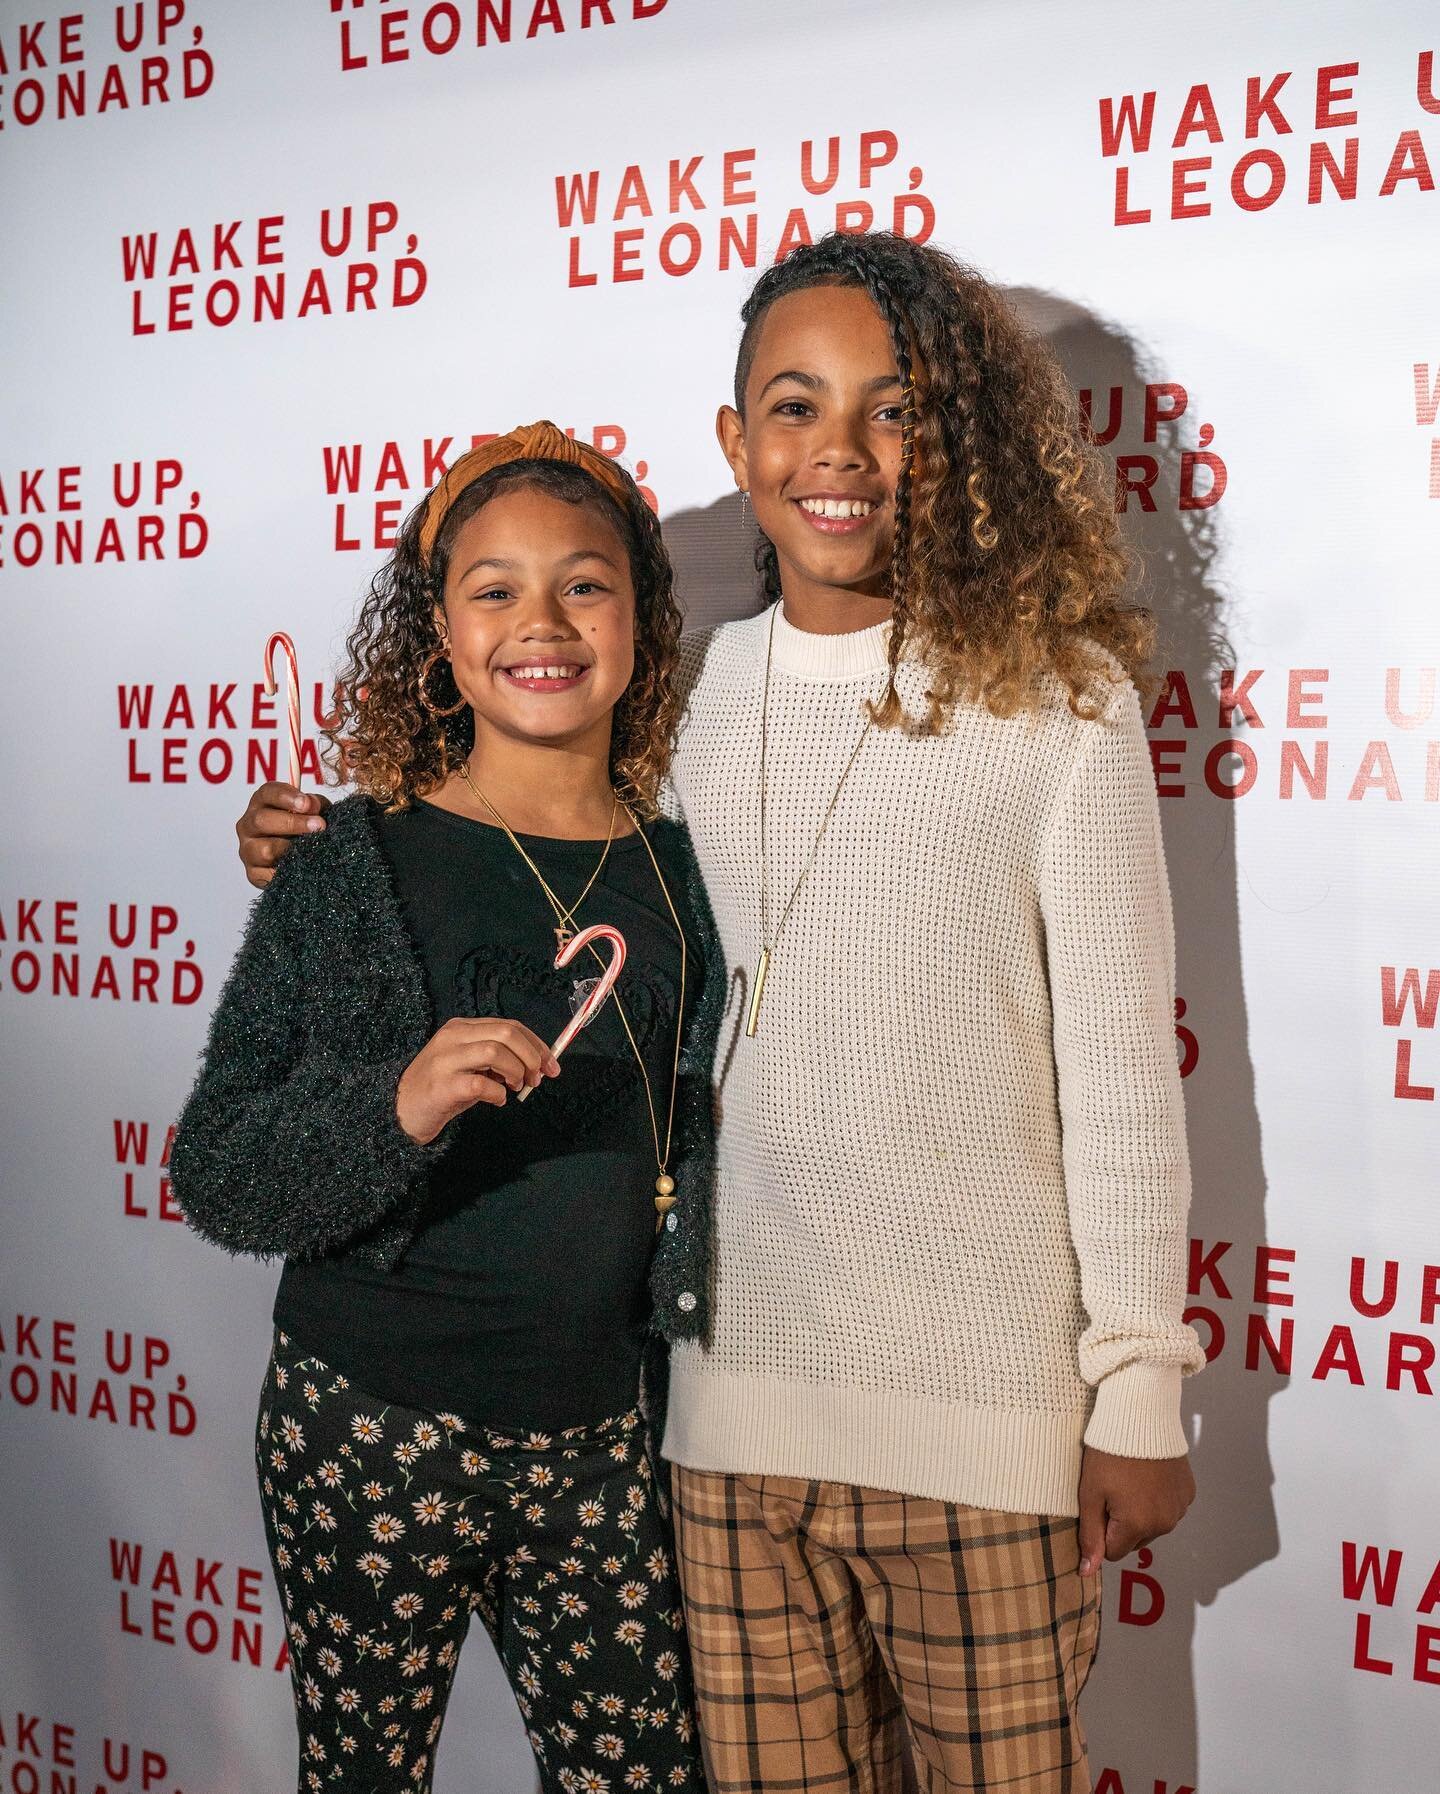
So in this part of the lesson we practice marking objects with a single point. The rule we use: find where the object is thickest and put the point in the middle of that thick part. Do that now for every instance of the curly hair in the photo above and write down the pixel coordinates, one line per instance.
(382, 736)
(1006, 564)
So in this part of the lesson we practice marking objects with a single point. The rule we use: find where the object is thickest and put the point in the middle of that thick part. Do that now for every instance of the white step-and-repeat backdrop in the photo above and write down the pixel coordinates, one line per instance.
(267, 267)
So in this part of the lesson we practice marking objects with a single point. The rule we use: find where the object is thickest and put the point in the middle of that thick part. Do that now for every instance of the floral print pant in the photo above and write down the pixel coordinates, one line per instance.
(389, 1527)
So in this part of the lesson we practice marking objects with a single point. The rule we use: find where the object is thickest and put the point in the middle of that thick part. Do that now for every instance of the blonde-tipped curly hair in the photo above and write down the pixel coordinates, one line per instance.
(1007, 565)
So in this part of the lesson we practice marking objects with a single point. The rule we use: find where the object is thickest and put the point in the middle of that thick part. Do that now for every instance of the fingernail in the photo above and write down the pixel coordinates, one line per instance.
(553, 1068)
(314, 823)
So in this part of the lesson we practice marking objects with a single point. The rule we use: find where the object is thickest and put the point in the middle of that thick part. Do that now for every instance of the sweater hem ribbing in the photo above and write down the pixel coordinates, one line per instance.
(1017, 1462)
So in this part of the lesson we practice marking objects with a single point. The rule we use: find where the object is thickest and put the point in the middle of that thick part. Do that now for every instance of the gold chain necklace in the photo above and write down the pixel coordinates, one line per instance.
(769, 942)
(565, 918)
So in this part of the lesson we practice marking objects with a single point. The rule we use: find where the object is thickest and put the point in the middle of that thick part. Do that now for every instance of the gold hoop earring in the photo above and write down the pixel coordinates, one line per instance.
(421, 686)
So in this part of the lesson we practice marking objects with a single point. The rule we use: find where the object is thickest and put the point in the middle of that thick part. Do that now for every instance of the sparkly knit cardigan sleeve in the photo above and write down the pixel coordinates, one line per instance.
(1109, 941)
(289, 1143)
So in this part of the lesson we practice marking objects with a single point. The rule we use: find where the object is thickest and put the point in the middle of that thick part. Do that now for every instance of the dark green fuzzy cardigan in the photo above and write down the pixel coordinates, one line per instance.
(289, 1143)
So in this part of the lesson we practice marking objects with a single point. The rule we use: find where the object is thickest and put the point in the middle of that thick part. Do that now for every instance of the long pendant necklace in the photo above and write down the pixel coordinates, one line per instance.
(769, 942)
(565, 920)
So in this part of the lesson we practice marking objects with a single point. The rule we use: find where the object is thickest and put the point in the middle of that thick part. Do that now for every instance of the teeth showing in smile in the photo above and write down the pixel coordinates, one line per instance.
(837, 507)
(544, 672)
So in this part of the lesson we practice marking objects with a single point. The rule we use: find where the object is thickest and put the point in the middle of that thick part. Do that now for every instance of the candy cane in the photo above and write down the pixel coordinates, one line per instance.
(596, 1000)
(287, 647)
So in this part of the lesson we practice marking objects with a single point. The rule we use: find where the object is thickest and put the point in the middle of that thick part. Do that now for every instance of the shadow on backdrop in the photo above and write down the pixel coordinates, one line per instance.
(1147, 1717)
(1140, 1708)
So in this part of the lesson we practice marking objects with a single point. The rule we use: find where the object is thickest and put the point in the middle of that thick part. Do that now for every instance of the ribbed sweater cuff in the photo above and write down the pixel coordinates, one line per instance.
(1137, 1413)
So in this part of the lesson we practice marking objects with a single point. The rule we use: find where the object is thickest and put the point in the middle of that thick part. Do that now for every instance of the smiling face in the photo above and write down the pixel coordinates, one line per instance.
(818, 447)
(540, 615)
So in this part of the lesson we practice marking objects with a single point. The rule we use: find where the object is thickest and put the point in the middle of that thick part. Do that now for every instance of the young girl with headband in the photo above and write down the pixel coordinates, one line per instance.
(474, 1291)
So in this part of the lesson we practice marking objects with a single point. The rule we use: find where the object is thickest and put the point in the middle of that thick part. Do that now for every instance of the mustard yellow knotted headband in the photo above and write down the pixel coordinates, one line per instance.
(531, 442)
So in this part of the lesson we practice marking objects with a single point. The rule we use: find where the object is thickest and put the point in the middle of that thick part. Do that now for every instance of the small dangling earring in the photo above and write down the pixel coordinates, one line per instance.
(422, 684)
(744, 504)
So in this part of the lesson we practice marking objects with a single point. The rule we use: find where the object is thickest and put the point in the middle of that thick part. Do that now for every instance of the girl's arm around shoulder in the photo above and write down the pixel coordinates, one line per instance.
(289, 1142)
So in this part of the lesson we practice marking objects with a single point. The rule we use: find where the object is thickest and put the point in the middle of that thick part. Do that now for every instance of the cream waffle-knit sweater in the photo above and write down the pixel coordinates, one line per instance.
(952, 1175)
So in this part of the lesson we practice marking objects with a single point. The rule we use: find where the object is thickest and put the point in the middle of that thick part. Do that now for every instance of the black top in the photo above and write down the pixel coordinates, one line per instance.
(521, 1302)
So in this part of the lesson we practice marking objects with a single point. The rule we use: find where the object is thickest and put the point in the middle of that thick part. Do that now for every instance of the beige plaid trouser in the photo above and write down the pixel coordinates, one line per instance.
(828, 1621)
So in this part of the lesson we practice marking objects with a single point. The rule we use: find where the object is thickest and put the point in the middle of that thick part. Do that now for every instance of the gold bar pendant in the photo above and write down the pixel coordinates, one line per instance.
(762, 970)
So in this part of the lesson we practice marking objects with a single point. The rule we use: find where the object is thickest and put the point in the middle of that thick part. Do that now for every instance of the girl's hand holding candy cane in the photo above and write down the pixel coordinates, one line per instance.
(274, 816)
(468, 1061)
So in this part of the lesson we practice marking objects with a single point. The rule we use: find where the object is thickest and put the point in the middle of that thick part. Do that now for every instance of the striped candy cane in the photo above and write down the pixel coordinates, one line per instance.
(287, 647)
(604, 984)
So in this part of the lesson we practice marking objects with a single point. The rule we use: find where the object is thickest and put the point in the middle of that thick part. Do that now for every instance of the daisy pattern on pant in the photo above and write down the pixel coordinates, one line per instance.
(378, 1653)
